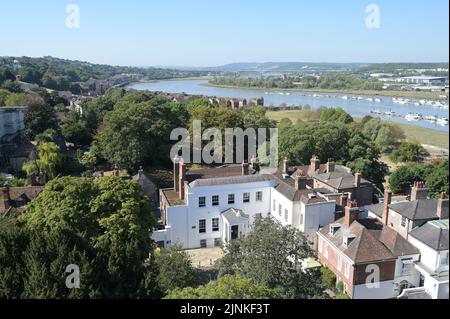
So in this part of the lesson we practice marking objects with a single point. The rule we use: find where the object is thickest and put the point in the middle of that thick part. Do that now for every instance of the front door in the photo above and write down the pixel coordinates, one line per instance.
(234, 232)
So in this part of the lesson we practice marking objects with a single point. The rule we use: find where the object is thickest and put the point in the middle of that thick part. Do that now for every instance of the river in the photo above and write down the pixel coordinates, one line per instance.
(352, 105)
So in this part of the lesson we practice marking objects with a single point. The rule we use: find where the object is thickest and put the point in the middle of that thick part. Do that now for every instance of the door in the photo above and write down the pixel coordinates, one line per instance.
(234, 232)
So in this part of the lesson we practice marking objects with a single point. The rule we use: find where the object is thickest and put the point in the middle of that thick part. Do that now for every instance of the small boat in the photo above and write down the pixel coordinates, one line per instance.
(431, 118)
(377, 100)
(442, 121)
(413, 117)
(376, 112)
(416, 103)
(370, 99)
(360, 98)
(345, 97)
(390, 113)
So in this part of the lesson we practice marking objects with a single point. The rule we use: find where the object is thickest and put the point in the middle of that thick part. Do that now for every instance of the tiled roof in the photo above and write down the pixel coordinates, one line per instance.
(216, 172)
(233, 212)
(339, 179)
(231, 180)
(31, 192)
(433, 233)
(377, 209)
(416, 210)
(372, 241)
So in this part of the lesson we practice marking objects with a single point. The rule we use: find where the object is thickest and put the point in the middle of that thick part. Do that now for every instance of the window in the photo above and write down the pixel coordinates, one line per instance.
(246, 197)
(280, 208)
(320, 245)
(274, 205)
(301, 218)
(407, 266)
(230, 198)
(258, 196)
(403, 222)
(339, 265)
(202, 226)
(444, 259)
(215, 224)
(215, 200)
(325, 250)
(217, 242)
(202, 201)
(203, 243)
(258, 215)
(286, 215)
(347, 269)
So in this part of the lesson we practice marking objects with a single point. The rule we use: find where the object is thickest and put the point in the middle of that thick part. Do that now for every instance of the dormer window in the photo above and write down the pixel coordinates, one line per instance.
(334, 228)
(348, 240)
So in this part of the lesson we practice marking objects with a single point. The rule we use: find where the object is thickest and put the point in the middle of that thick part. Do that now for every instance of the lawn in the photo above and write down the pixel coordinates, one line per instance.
(422, 135)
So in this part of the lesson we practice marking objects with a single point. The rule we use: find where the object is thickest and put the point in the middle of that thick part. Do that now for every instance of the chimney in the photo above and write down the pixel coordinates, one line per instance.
(244, 168)
(351, 213)
(300, 182)
(6, 197)
(343, 200)
(387, 202)
(116, 171)
(254, 163)
(330, 165)
(176, 171)
(285, 165)
(419, 191)
(31, 179)
(182, 172)
(442, 207)
(315, 164)
(357, 179)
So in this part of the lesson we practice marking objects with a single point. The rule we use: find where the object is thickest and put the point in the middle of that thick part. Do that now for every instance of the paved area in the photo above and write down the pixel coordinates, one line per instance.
(205, 257)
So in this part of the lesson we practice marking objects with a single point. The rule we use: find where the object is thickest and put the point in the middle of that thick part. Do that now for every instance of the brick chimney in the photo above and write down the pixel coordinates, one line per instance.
(244, 168)
(331, 165)
(342, 200)
(285, 165)
(387, 202)
(351, 213)
(182, 178)
(419, 191)
(357, 179)
(442, 207)
(176, 173)
(315, 164)
(300, 182)
(116, 171)
(5, 204)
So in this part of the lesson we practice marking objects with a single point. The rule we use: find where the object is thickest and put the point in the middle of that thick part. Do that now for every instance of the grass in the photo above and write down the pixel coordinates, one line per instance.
(413, 133)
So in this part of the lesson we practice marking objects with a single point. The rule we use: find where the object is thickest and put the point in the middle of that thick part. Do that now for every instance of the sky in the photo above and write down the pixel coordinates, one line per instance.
(217, 32)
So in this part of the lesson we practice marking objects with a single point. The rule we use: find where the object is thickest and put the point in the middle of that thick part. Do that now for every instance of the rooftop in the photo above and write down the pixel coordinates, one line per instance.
(172, 197)
(434, 234)
(420, 209)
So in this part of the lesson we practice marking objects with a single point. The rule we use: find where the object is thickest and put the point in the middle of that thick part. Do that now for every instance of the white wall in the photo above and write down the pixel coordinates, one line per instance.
(384, 291)
(11, 121)
(285, 204)
(316, 215)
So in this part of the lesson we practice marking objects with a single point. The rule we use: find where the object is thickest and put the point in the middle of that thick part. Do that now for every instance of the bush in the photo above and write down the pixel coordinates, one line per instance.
(328, 278)
(342, 296)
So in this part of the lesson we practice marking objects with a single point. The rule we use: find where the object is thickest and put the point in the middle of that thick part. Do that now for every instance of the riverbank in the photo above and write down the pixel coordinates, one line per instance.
(389, 93)
(423, 135)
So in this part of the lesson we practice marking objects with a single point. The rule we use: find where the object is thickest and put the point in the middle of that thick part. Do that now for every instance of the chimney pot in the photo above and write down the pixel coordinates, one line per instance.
(244, 168)
(442, 207)
(357, 179)
(285, 165)
(419, 191)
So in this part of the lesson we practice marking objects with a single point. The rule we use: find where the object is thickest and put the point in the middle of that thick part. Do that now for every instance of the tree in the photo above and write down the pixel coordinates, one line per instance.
(437, 179)
(38, 118)
(174, 268)
(335, 115)
(103, 225)
(403, 177)
(328, 278)
(48, 162)
(409, 152)
(5, 74)
(75, 130)
(226, 287)
(272, 255)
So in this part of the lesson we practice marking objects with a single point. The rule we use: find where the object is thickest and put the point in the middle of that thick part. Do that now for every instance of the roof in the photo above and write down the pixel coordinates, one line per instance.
(377, 209)
(339, 180)
(434, 234)
(233, 213)
(30, 192)
(307, 196)
(241, 179)
(215, 172)
(416, 210)
(172, 197)
(372, 241)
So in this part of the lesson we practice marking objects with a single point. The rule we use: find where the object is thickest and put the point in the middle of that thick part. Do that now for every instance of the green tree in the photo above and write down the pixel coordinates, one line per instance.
(409, 152)
(335, 115)
(272, 255)
(328, 278)
(5, 74)
(226, 287)
(38, 118)
(174, 268)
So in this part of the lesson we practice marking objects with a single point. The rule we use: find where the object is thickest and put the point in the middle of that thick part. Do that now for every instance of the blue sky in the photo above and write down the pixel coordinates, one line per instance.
(216, 32)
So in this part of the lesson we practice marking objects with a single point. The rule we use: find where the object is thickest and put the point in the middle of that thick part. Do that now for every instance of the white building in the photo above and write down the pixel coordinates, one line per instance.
(432, 241)
(208, 207)
(11, 121)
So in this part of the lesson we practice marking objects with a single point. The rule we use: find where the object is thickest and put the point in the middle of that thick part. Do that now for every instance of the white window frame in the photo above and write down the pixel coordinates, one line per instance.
(246, 198)
(215, 225)
(274, 205)
(301, 219)
(320, 244)
(280, 209)
(215, 200)
(202, 222)
(347, 269)
(202, 201)
(325, 250)
(339, 265)
(231, 199)
(403, 222)
(205, 243)
(286, 215)
(259, 196)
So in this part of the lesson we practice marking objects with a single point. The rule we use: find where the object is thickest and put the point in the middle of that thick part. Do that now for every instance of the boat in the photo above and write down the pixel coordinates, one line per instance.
(413, 117)
(376, 112)
(431, 118)
(390, 113)
(442, 121)
(417, 104)
(377, 100)
(345, 97)
(360, 98)
(370, 99)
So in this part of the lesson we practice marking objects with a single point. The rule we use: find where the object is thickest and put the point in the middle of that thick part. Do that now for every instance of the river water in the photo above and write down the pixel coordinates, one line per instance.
(355, 105)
